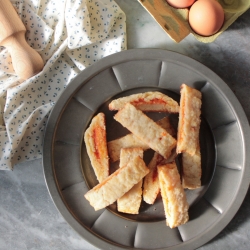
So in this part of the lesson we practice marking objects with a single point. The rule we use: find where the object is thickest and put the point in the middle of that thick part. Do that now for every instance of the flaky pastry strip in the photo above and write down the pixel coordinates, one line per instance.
(173, 195)
(96, 145)
(148, 101)
(151, 186)
(189, 120)
(146, 130)
(130, 202)
(117, 184)
(131, 141)
(191, 170)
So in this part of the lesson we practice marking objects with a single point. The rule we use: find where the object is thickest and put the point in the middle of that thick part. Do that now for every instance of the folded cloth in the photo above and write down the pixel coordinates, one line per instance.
(70, 35)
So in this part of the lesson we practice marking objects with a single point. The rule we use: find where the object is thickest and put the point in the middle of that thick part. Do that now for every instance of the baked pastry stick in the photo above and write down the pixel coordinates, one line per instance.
(130, 140)
(117, 184)
(191, 170)
(131, 201)
(151, 187)
(189, 120)
(188, 137)
(146, 130)
(96, 145)
(127, 141)
(173, 195)
(148, 101)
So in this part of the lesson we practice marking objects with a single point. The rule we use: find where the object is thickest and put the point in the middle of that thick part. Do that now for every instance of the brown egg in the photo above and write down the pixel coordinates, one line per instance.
(206, 17)
(180, 3)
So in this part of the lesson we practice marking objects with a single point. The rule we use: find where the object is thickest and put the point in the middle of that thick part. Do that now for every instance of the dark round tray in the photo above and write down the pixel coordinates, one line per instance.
(224, 140)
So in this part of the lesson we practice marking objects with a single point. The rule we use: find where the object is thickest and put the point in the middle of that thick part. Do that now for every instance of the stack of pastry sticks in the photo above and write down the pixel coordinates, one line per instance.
(134, 181)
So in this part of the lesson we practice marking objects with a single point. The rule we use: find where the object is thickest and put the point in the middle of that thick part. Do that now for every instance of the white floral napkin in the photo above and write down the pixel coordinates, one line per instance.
(70, 35)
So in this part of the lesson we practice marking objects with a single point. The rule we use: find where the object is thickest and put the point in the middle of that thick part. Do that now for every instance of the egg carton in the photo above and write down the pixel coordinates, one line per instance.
(175, 21)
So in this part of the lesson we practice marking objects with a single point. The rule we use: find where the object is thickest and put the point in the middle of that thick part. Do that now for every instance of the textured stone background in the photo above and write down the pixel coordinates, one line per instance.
(28, 217)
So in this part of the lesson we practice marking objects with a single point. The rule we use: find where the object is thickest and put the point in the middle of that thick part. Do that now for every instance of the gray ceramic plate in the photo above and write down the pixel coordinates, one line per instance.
(224, 141)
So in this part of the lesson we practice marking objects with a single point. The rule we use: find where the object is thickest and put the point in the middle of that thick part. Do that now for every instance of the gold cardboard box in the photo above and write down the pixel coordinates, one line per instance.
(175, 21)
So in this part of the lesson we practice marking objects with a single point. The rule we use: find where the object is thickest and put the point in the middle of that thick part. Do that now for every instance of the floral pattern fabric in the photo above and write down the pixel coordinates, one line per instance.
(70, 35)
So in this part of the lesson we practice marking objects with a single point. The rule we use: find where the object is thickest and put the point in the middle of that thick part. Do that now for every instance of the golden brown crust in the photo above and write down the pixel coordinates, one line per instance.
(117, 184)
(96, 145)
(189, 120)
(146, 130)
(173, 195)
(148, 101)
